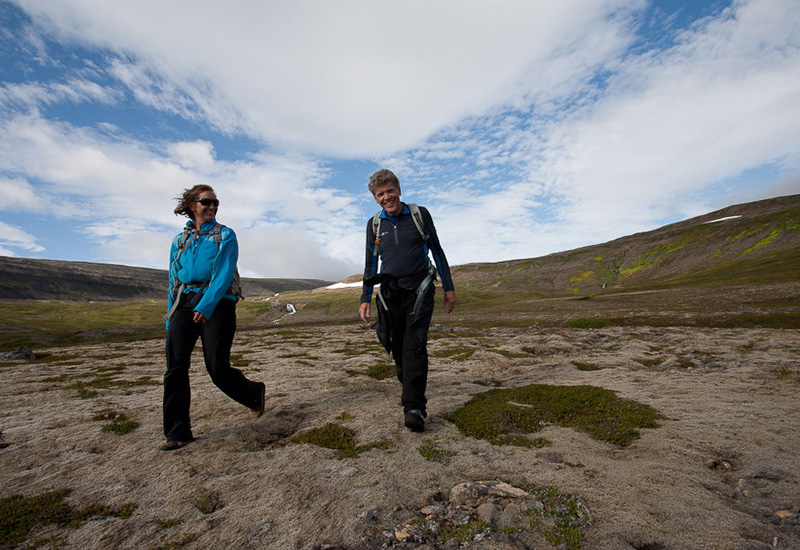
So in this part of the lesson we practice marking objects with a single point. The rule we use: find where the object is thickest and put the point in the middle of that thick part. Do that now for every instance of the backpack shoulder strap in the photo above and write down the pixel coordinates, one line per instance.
(185, 236)
(217, 232)
(236, 285)
(416, 215)
(376, 226)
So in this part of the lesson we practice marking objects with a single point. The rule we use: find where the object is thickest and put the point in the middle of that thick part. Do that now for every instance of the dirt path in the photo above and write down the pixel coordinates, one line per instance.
(720, 473)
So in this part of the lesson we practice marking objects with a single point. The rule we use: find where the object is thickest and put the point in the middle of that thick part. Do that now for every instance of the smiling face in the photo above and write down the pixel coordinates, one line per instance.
(202, 213)
(388, 197)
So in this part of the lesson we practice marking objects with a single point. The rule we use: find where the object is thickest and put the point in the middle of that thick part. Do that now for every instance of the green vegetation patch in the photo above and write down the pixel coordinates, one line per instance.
(430, 451)
(208, 501)
(119, 423)
(561, 516)
(167, 523)
(19, 515)
(381, 371)
(587, 367)
(87, 388)
(37, 323)
(503, 416)
(465, 532)
(337, 437)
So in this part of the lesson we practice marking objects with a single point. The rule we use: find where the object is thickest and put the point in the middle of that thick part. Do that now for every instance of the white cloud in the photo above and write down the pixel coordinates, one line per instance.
(12, 237)
(19, 195)
(33, 95)
(121, 192)
(291, 252)
(192, 154)
(349, 78)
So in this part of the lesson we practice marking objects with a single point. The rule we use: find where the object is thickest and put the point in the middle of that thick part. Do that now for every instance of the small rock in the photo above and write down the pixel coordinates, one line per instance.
(719, 464)
(432, 510)
(402, 534)
(584, 513)
(485, 512)
(17, 354)
(408, 533)
(504, 490)
(785, 514)
(552, 458)
(464, 494)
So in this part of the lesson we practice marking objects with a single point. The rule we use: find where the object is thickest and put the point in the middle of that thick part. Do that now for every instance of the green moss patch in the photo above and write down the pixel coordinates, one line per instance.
(588, 367)
(430, 451)
(560, 517)
(337, 437)
(208, 501)
(19, 515)
(503, 416)
(381, 371)
(119, 423)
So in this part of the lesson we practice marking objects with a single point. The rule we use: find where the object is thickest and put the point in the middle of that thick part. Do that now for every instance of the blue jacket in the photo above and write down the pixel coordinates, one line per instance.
(204, 261)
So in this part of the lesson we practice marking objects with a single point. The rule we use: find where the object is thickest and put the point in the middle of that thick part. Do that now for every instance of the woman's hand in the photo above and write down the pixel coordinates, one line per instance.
(199, 317)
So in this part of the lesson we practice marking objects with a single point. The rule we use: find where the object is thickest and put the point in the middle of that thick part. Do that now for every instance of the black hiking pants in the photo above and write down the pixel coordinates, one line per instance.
(216, 334)
(409, 339)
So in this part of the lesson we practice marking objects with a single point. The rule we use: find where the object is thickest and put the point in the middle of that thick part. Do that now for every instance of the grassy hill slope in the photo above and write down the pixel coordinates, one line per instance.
(751, 243)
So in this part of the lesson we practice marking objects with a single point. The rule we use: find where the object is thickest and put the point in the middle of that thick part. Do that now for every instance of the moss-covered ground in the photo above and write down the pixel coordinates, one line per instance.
(507, 416)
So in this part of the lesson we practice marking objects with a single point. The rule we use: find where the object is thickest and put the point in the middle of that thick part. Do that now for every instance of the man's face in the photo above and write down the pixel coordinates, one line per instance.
(388, 197)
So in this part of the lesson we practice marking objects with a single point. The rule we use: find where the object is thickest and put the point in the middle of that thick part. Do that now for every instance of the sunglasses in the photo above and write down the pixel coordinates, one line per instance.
(208, 202)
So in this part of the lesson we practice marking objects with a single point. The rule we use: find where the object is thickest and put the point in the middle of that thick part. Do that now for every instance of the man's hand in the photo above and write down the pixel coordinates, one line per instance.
(199, 317)
(364, 311)
(450, 300)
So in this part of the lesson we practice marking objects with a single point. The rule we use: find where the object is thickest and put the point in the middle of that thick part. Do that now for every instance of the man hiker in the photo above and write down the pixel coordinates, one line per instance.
(400, 236)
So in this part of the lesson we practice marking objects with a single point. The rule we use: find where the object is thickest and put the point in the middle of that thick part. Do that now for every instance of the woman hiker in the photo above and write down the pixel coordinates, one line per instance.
(203, 282)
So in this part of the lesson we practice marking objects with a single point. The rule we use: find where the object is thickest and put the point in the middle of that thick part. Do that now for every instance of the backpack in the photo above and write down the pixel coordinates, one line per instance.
(431, 276)
(178, 286)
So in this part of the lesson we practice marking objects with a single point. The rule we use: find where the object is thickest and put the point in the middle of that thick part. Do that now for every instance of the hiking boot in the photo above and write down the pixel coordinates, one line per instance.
(258, 411)
(415, 420)
(175, 444)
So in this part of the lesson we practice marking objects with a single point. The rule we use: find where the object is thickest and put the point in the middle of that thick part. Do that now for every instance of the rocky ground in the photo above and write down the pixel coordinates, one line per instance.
(721, 471)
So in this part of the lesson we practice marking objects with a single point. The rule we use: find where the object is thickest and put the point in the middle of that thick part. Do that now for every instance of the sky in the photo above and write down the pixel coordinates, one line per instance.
(526, 128)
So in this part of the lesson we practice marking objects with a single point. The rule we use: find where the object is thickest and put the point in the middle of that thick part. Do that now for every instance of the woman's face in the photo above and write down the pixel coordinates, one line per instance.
(202, 213)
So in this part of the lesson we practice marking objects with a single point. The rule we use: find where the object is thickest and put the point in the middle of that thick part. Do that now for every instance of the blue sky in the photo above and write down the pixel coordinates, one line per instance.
(526, 128)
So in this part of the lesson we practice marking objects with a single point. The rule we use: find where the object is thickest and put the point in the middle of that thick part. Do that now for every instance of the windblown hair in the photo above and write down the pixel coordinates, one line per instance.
(186, 200)
(382, 177)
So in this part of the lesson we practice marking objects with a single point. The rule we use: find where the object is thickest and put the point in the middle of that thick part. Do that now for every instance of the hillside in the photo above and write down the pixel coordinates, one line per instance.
(31, 279)
(752, 243)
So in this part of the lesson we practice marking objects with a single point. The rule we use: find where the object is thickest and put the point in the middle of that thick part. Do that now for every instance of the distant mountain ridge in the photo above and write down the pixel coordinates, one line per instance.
(34, 279)
(751, 243)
